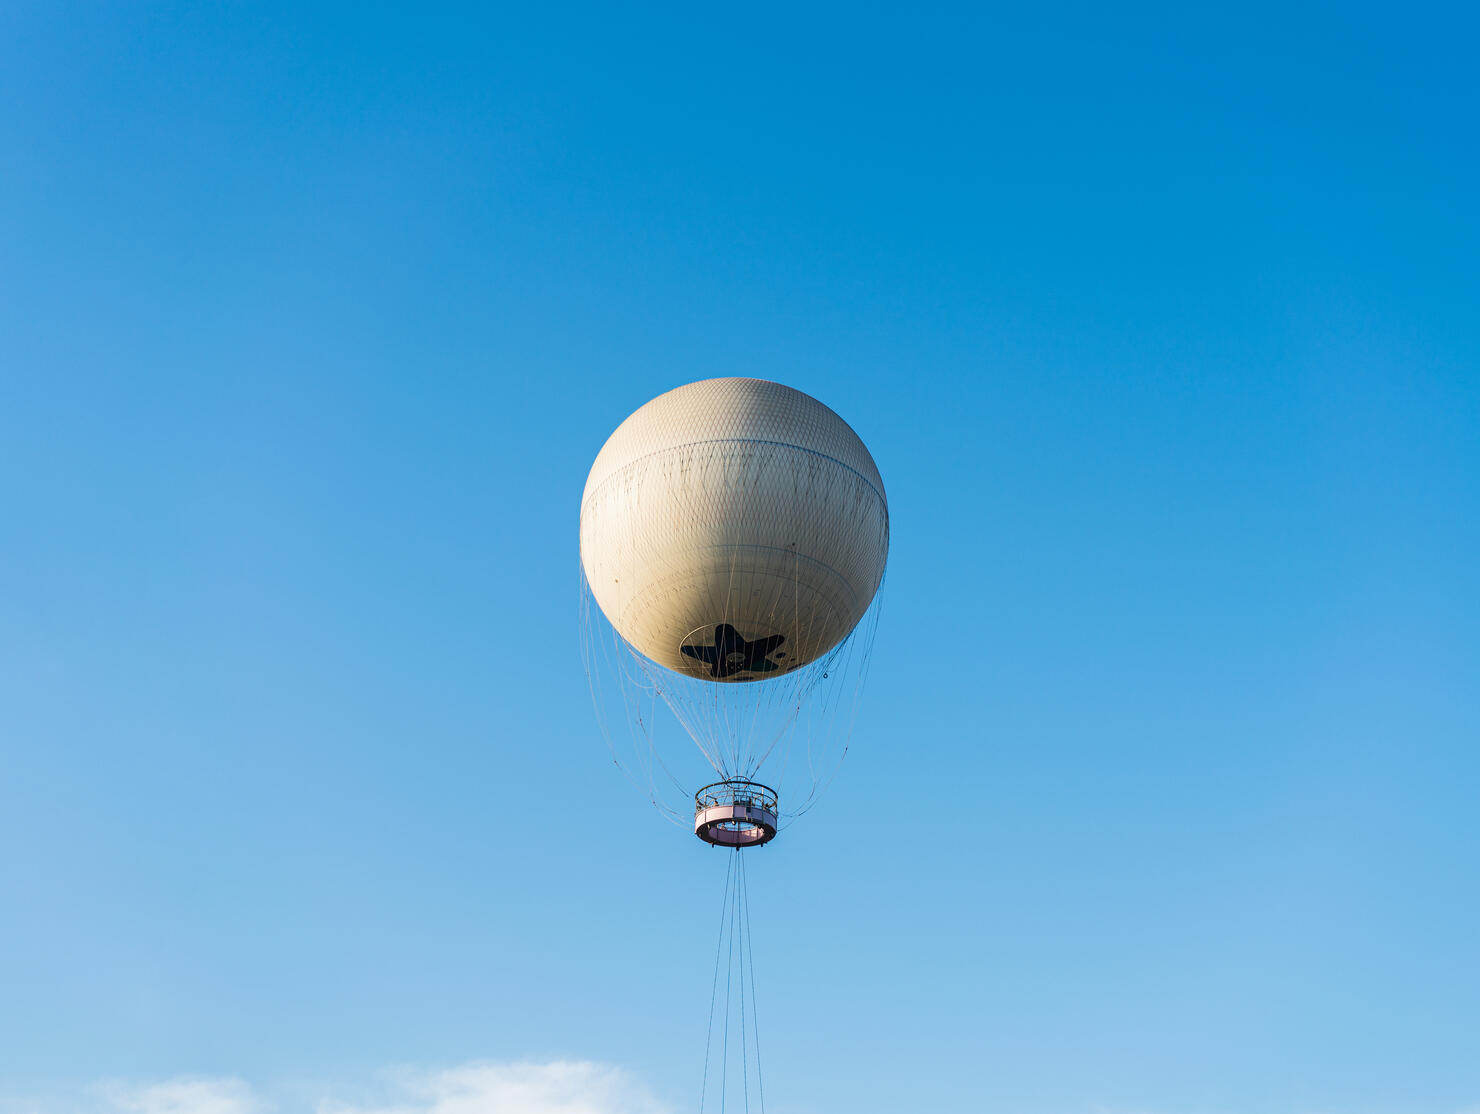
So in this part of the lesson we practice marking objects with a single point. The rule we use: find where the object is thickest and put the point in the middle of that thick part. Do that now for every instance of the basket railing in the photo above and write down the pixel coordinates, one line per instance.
(736, 791)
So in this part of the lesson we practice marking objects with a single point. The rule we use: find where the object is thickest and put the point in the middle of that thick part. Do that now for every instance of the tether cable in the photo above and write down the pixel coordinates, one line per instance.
(714, 985)
(736, 949)
(755, 1020)
(744, 1052)
(724, 1067)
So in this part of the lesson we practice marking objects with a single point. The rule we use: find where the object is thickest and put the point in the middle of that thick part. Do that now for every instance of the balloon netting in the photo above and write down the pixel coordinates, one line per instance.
(670, 733)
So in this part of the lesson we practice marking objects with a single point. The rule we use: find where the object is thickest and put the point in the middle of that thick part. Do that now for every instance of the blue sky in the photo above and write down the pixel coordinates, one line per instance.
(1162, 328)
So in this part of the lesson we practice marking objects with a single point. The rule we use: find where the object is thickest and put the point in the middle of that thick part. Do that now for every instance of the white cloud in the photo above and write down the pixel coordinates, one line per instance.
(183, 1095)
(560, 1087)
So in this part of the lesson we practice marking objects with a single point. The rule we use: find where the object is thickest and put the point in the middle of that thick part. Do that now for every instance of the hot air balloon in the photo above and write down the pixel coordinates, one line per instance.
(734, 534)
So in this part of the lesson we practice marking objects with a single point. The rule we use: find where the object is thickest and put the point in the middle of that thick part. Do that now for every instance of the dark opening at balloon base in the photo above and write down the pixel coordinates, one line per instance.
(735, 813)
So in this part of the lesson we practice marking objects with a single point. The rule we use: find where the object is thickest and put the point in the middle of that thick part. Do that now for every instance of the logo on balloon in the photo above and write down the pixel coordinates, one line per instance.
(733, 653)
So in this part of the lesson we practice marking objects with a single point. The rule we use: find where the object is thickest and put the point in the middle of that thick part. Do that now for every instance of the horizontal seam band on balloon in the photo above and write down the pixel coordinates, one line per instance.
(741, 441)
(813, 561)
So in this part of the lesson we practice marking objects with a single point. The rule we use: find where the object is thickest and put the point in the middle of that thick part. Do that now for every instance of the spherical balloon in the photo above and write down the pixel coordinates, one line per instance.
(734, 530)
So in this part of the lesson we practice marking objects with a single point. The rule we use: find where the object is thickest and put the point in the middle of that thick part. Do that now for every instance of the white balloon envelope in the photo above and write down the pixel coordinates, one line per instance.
(734, 528)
